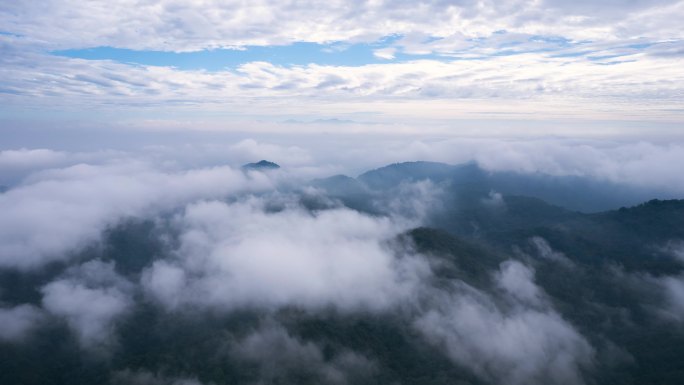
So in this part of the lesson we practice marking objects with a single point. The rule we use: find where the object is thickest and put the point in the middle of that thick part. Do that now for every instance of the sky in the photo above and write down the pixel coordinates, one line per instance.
(464, 68)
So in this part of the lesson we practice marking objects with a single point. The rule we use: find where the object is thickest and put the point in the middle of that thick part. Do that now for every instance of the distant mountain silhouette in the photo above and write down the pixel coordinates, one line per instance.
(261, 165)
(572, 192)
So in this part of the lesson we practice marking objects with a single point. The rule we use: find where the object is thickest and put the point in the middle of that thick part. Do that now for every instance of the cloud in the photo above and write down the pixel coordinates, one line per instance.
(640, 88)
(172, 26)
(279, 356)
(675, 249)
(264, 253)
(516, 280)
(494, 200)
(17, 164)
(527, 343)
(669, 301)
(251, 242)
(661, 296)
(553, 63)
(267, 253)
(30, 158)
(643, 163)
(385, 53)
(143, 377)
(90, 299)
(54, 212)
(18, 321)
(673, 288)
(58, 211)
(415, 200)
(545, 251)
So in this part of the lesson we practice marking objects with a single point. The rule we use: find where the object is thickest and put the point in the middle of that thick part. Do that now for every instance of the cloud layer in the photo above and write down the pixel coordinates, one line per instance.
(516, 60)
(174, 25)
(62, 209)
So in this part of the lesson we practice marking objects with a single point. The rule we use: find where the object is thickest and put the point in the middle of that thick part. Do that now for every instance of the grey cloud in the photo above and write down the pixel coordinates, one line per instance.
(619, 7)
(668, 301)
(675, 248)
(415, 201)
(278, 355)
(143, 377)
(18, 321)
(494, 200)
(544, 250)
(332, 81)
(673, 288)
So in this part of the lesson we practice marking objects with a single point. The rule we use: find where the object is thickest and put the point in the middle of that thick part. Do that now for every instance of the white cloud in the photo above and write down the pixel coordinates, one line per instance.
(528, 343)
(527, 76)
(90, 299)
(432, 93)
(17, 164)
(179, 26)
(31, 158)
(385, 53)
(517, 280)
(53, 212)
(641, 163)
(519, 60)
(57, 211)
(264, 254)
(545, 251)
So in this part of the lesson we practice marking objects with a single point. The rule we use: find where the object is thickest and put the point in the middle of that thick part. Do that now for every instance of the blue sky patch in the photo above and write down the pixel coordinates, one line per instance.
(337, 53)
(220, 59)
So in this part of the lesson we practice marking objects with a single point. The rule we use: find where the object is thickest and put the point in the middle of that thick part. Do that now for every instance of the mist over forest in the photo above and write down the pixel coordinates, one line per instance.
(123, 268)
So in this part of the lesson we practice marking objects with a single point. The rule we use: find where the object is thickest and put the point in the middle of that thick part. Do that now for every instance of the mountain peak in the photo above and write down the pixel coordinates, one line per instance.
(261, 165)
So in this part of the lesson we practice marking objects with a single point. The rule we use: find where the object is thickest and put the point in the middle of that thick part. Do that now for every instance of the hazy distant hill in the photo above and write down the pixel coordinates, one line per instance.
(572, 192)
